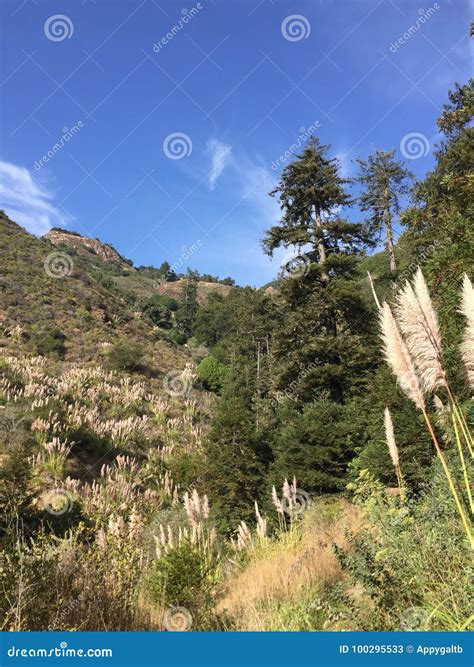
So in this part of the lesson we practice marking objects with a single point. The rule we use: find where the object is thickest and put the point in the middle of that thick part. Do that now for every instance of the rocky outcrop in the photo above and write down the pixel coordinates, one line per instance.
(84, 245)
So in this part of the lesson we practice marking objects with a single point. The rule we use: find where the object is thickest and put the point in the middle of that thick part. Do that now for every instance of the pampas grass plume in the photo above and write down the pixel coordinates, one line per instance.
(467, 346)
(398, 357)
(420, 330)
(390, 437)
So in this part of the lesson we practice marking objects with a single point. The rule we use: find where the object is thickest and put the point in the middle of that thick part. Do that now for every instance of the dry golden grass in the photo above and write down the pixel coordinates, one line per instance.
(284, 570)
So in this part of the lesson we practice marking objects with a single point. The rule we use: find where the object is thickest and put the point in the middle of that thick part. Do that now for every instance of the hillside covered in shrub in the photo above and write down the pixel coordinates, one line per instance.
(216, 457)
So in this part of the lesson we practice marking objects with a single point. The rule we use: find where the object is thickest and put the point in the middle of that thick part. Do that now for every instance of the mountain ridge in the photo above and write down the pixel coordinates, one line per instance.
(87, 245)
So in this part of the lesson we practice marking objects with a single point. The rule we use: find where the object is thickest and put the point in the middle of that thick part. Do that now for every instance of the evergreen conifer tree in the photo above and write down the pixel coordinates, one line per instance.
(188, 306)
(384, 180)
(324, 341)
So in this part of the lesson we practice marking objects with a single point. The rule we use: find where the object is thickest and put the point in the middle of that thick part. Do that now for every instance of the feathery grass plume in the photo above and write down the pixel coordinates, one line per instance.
(438, 403)
(443, 419)
(377, 302)
(392, 447)
(244, 537)
(398, 357)
(467, 346)
(205, 508)
(276, 501)
(390, 438)
(287, 490)
(196, 508)
(419, 326)
(261, 523)
(424, 299)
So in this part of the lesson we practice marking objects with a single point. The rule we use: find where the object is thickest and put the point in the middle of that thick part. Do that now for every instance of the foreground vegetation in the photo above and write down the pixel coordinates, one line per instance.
(297, 458)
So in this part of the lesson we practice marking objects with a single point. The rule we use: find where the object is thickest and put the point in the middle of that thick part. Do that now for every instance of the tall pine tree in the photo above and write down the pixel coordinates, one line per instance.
(188, 306)
(326, 342)
(384, 180)
(237, 453)
(309, 191)
(321, 345)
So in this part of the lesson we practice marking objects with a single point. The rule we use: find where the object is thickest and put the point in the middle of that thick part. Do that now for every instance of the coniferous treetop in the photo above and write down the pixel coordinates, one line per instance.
(309, 185)
(383, 176)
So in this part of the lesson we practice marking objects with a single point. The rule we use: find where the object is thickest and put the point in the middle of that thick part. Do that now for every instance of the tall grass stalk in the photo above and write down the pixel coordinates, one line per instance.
(452, 487)
(462, 421)
(463, 464)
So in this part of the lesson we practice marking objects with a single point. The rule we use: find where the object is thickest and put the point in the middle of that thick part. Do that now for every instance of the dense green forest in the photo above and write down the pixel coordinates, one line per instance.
(295, 457)
(304, 383)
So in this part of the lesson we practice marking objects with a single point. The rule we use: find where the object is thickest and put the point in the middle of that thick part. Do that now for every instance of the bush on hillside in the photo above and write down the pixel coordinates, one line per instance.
(212, 373)
(178, 337)
(158, 309)
(125, 356)
(49, 341)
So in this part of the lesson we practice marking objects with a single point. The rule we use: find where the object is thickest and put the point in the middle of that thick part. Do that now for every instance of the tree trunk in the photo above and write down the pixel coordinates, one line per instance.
(389, 231)
(321, 246)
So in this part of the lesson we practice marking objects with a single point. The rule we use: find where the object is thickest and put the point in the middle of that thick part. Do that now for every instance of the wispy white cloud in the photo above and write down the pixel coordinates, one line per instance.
(220, 155)
(347, 167)
(255, 181)
(26, 202)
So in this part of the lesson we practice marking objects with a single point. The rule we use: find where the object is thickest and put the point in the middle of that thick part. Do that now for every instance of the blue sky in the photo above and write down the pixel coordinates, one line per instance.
(171, 118)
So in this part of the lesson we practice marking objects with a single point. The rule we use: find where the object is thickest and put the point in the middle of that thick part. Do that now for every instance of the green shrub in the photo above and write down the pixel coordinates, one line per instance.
(125, 356)
(178, 337)
(184, 577)
(212, 373)
(159, 315)
(49, 341)
(158, 310)
(166, 301)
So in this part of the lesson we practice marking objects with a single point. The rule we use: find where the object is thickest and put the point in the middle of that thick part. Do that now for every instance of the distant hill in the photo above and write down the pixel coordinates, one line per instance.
(146, 287)
(60, 297)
